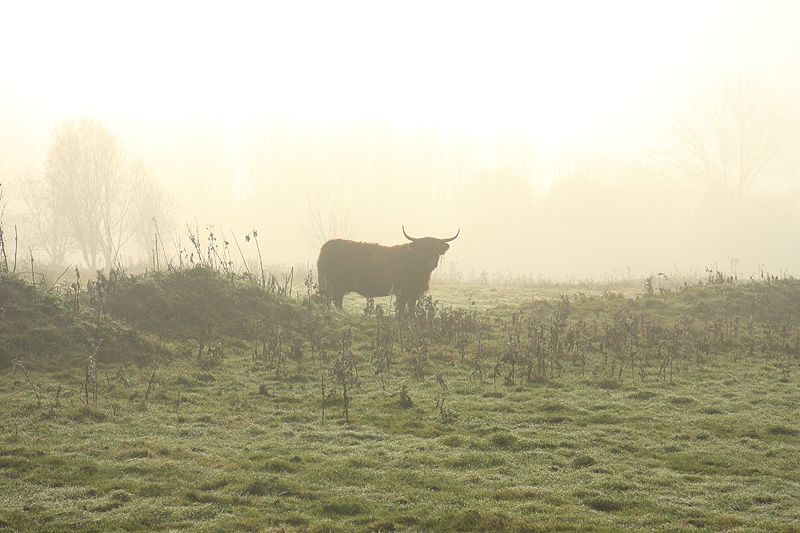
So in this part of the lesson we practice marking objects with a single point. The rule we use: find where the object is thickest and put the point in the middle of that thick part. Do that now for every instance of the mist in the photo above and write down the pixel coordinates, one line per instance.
(564, 142)
(410, 266)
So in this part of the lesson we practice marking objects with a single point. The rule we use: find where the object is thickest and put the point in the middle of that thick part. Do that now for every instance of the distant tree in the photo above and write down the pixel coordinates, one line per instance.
(496, 210)
(86, 183)
(326, 221)
(45, 219)
(517, 157)
(731, 139)
(152, 211)
(102, 196)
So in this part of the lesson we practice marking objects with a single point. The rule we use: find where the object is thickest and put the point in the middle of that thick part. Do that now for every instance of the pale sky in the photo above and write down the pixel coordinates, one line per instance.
(570, 78)
(564, 73)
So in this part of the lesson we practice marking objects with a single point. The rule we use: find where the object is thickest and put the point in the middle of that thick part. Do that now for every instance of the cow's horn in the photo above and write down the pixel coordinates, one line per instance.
(453, 237)
(412, 239)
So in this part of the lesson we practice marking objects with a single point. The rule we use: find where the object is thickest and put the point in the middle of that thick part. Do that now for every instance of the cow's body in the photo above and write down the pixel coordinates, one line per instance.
(374, 270)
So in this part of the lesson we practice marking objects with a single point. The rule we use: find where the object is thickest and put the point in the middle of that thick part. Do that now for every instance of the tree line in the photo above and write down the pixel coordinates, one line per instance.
(95, 199)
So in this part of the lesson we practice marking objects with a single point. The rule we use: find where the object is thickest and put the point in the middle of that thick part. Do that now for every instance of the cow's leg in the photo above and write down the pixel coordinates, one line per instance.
(337, 300)
(412, 301)
(401, 305)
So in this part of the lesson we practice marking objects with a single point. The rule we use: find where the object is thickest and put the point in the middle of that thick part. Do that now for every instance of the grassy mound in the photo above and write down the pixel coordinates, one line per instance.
(773, 303)
(196, 302)
(40, 326)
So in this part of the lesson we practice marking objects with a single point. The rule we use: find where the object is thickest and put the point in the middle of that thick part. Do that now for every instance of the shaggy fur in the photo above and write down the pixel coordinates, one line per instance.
(374, 270)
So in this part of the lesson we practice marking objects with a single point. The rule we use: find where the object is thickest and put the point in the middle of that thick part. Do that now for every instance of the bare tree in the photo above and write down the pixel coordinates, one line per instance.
(152, 210)
(88, 182)
(46, 220)
(328, 222)
(731, 139)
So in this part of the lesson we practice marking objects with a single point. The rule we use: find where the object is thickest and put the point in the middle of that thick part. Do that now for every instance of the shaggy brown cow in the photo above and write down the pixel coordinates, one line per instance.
(374, 270)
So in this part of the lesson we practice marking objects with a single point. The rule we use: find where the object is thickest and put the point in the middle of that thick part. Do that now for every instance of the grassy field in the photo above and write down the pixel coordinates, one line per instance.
(199, 429)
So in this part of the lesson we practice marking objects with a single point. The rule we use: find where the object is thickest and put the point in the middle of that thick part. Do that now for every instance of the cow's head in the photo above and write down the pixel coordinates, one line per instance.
(429, 249)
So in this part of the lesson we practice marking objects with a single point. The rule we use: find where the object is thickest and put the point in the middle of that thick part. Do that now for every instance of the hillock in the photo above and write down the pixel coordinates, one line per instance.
(44, 327)
(183, 304)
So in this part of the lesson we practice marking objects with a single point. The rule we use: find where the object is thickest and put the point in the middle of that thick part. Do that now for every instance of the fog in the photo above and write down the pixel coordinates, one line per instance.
(569, 140)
